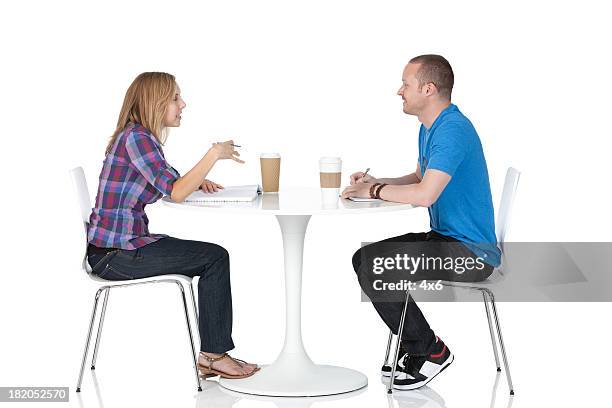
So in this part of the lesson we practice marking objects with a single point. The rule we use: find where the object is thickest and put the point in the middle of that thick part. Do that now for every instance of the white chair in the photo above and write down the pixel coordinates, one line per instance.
(82, 192)
(503, 219)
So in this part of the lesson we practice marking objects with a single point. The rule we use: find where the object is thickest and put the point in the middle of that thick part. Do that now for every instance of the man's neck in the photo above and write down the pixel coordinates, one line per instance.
(429, 115)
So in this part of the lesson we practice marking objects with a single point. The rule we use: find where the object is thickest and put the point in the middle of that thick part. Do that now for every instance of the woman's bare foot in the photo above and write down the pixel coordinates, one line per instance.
(226, 365)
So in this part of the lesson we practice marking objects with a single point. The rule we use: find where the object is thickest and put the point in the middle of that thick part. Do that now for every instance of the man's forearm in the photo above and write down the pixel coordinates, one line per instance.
(400, 181)
(410, 194)
(424, 193)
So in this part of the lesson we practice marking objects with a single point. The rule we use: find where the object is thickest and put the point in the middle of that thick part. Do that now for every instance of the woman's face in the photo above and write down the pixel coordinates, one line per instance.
(175, 107)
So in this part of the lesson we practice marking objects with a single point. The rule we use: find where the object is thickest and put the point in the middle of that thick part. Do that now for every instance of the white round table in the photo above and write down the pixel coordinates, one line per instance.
(293, 373)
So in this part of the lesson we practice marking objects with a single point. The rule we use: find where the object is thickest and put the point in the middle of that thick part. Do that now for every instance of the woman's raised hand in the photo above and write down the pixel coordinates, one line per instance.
(225, 150)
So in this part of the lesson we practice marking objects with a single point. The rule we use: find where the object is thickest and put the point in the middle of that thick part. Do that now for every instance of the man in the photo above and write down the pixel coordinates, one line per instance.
(451, 179)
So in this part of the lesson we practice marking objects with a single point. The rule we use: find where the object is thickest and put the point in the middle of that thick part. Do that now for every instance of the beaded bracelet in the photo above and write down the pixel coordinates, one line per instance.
(377, 195)
(372, 189)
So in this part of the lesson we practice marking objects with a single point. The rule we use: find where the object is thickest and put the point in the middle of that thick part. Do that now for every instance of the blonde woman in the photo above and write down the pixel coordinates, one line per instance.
(134, 174)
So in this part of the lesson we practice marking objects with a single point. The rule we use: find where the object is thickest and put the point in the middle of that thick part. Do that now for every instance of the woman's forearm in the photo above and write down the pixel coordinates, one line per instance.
(192, 180)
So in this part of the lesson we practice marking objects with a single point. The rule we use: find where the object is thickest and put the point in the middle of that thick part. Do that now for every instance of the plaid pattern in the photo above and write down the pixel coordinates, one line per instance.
(134, 174)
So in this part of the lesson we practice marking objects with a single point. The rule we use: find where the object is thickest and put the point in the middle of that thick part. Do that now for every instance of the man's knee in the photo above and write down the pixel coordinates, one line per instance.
(362, 269)
(357, 260)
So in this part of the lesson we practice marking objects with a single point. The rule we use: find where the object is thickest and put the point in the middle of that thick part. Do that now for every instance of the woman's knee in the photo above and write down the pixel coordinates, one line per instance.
(209, 252)
(215, 259)
(219, 255)
(221, 251)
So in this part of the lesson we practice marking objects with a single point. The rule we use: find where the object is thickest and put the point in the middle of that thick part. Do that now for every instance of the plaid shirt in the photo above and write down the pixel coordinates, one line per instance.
(134, 174)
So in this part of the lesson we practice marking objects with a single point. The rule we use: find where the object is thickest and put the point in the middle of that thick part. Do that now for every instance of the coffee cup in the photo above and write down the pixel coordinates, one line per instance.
(330, 172)
(270, 171)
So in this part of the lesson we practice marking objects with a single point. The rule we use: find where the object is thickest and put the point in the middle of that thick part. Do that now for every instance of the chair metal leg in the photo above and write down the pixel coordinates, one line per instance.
(195, 312)
(102, 314)
(91, 324)
(493, 342)
(193, 350)
(388, 348)
(195, 308)
(501, 341)
(400, 330)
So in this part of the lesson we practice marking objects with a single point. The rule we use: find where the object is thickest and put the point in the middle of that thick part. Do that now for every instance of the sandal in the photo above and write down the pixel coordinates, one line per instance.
(209, 371)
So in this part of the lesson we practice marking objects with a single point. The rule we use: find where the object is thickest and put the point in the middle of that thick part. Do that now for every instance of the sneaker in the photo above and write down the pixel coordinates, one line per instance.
(385, 370)
(423, 369)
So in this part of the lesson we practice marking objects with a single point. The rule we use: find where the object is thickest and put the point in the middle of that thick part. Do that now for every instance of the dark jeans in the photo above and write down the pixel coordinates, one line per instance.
(191, 258)
(417, 336)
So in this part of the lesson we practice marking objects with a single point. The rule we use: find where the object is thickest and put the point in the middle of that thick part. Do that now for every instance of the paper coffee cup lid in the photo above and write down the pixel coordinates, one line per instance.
(269, 155)
(330, 165)
(330, 159)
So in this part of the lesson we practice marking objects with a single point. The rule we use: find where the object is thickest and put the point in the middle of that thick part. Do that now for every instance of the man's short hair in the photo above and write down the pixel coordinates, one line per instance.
(435, 69)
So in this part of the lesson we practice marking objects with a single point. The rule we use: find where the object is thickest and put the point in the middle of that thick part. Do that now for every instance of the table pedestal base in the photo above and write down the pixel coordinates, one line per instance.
(293, 374)
(294, 379)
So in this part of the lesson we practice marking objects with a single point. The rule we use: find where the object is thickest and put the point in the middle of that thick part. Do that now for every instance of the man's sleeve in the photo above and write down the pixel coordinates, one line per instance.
(146, 156)
(448, 149)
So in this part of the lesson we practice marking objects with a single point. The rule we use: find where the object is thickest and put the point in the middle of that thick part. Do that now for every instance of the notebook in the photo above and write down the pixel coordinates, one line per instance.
(233, 194)
(363, 199)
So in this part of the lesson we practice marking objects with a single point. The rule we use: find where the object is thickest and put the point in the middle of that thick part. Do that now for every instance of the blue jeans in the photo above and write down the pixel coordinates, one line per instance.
(191, 258)
(417, 337)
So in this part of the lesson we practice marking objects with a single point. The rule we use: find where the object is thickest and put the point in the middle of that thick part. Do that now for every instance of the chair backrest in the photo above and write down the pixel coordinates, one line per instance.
(505, 205)
(82, 196)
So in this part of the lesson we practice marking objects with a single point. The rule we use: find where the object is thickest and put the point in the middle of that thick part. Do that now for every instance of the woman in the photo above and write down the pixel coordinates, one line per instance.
(134, 174)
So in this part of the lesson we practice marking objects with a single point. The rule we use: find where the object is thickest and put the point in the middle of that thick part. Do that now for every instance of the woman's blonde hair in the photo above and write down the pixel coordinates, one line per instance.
(145, 103)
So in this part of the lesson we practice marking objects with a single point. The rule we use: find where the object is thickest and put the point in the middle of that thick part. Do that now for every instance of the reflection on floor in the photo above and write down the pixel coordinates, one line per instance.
(281, 402)
(426, 397)
(215, 396)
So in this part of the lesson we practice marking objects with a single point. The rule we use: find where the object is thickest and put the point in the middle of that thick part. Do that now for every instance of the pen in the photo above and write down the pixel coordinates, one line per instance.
(234, 145)
(365, 173)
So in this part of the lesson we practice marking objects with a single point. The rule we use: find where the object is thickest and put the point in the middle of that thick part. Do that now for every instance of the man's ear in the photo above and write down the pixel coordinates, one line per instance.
(430, 89)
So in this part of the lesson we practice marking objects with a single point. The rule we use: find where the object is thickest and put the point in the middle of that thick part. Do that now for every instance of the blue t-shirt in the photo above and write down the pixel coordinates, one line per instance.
(464, 210)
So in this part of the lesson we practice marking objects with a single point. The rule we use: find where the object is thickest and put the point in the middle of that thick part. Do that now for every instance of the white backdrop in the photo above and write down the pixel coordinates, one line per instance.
(306, 79)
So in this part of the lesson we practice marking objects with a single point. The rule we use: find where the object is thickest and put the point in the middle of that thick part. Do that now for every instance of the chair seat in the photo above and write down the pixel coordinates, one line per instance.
(495, 277)
(180, 278)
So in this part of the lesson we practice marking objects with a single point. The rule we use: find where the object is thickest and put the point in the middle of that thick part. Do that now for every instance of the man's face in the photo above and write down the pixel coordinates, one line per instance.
(413, 97)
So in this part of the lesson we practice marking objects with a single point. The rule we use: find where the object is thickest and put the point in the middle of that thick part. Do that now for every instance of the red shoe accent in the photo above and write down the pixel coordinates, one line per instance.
(439, 354)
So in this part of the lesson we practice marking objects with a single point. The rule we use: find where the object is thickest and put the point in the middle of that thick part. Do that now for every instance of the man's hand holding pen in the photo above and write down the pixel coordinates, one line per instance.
(362, 177)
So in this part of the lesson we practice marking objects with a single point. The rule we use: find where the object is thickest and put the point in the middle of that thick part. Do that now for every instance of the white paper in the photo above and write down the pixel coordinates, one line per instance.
(228, 194)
